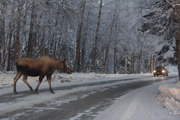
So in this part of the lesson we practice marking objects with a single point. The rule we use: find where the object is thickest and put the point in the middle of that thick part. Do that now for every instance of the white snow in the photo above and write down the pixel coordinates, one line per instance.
(170, 97)
(159, 101)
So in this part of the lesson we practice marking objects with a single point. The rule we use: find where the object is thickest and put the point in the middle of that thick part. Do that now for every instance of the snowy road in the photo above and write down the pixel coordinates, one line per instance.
(86, 101)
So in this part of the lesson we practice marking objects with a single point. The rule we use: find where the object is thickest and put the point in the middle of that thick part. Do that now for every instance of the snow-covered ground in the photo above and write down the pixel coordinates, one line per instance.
(170, 95)
(132, 106)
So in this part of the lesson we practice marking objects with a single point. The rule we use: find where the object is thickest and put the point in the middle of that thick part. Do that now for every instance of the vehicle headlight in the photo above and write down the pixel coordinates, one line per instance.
(154, 71)
(163, 71)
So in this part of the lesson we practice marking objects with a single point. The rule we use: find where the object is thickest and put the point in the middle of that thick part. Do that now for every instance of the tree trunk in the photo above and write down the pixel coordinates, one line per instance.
(4, 58)
(110, 39)
(79, 37)
(132, 62)
(140, 54)
(83, 50)
(152, 63)
(177, 23)
(96, 38)
(31, 32)
(178, 50)
(23, 33)
(17, 44)
(106, 57)
(140, 61)
(61, 30)
(11, 30)
(52, 45)
(115, 56)
(9, 51)
(10, 35)
(125, 63)
(2, 28)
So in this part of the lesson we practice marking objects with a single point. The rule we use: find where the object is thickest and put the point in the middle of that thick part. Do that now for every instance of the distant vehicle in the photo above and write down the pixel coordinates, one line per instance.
(160, 70)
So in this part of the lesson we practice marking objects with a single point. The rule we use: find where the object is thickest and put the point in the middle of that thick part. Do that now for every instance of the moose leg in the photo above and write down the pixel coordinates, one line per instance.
(49, 81)
(18, 75)
(25, 81)
(40, 80)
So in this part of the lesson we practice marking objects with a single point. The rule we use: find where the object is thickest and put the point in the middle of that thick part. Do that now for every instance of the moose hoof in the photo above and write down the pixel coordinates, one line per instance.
(36, 92)
(53, 92)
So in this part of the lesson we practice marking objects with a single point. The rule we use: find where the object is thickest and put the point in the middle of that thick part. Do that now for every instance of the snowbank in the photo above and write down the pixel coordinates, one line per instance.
(170, 94)
(170, 97)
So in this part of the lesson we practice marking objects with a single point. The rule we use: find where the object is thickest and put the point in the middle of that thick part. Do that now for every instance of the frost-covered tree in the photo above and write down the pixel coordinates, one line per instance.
(159, 21)
(166, 23)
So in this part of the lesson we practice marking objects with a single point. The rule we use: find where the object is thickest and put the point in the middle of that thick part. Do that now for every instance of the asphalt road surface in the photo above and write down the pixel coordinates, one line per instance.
(81, 104)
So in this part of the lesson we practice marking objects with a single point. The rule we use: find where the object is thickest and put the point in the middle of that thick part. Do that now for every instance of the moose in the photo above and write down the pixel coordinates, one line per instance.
(43, 66)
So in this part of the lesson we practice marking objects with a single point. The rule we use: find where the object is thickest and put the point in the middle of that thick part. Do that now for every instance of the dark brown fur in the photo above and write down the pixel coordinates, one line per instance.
(44, 66)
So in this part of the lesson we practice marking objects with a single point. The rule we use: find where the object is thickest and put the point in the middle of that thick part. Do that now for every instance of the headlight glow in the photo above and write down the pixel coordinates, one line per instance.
(163, 71)
(154, 71)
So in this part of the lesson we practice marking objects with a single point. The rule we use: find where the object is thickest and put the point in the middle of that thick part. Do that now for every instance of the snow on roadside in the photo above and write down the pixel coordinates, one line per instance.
(170, 95)
(6, 78)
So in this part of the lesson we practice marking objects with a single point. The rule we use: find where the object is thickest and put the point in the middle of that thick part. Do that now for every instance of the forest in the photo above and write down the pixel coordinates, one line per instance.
(102, 36)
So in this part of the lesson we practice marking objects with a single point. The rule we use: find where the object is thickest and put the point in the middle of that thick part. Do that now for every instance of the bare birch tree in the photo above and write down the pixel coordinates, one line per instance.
(95, 47)
(79, 38)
